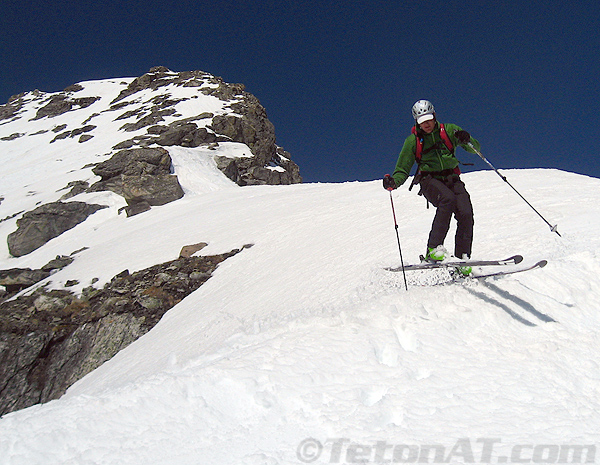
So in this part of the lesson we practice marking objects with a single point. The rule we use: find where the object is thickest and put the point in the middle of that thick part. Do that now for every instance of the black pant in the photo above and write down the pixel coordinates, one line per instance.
(449, 196)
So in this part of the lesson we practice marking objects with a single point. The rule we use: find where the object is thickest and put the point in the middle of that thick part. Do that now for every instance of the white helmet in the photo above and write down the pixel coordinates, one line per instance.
(423, 111)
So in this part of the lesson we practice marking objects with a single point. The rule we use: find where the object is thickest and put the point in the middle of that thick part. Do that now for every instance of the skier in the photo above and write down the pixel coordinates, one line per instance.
(431, 145)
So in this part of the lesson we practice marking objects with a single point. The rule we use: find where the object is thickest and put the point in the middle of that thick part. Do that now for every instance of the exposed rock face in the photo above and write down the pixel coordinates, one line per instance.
(135, 162)
(46, 222)
(17, 279)
(139, 170)
(184, 134)
(142, 176)
(248, 124)
(62, 103)
(49, 340)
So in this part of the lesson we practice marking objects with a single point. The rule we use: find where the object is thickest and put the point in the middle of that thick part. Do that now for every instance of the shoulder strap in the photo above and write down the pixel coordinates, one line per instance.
(419, 146)
(445, 138)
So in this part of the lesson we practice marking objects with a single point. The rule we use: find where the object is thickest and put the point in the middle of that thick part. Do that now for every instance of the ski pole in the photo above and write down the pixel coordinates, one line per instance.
(398, 238)
(552, 228)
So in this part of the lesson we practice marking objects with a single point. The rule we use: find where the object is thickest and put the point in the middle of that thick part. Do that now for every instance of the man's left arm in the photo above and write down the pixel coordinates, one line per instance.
(460, 137)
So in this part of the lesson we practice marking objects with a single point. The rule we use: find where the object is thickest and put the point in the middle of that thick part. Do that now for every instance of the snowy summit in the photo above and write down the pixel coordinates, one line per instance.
(298, 346)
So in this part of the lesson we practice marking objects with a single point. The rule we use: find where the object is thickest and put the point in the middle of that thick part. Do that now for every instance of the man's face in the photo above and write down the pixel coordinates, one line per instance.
(428, 125)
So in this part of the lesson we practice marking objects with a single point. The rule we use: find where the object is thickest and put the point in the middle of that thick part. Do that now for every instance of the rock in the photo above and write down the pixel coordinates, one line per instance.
(134, 162)
(229, 168)
(154, 190)
(197, 276)
(51, 339)
(186, 135)
(142, 176)
(57, 105)
(46, 222)
(62, 103)
(135, 208)
(76, 132)
(45, 303)
(76, 187)
(58, 263)
(14, 136)
(258, 133)
(188, 250)
(249, 125)
(148, 120)
(85, 138)
(17, 279)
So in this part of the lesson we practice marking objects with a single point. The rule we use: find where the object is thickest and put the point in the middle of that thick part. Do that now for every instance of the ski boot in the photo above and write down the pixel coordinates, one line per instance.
(436, 254)
(464, 271)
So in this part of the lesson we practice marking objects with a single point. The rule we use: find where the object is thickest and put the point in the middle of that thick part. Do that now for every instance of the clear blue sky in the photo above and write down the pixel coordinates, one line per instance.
(338, 78)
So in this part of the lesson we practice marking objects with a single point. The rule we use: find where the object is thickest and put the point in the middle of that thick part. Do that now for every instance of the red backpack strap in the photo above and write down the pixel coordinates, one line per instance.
(445, 138)
(419, 146)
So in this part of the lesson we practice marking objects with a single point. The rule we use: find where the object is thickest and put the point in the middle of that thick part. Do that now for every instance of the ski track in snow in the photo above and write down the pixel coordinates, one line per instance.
(305, 335)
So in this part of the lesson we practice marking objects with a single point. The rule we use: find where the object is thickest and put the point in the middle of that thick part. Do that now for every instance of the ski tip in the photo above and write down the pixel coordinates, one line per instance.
(542, 263)
(518, 258)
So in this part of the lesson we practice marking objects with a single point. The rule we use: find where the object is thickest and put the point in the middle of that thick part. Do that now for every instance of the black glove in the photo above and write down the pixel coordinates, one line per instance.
(463, 137)
(388, 183)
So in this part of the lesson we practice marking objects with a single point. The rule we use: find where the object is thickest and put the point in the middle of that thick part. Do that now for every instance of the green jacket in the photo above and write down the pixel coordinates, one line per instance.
(438, 158)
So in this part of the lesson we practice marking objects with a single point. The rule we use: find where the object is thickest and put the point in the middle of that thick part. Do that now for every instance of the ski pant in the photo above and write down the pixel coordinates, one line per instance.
(449, 196)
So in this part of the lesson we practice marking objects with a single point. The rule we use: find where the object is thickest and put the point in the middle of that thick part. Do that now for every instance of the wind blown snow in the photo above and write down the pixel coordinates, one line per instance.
(303, 349)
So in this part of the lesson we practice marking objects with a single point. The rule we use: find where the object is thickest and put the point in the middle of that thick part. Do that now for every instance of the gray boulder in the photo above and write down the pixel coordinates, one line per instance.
(142, 176)
(186, 135)
(157, 189)
(135, 162)
(62, 103)
(46, 222)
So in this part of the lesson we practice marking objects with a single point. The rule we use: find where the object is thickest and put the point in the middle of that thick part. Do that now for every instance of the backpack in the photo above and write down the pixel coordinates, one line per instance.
(419, 153)
(419, 147)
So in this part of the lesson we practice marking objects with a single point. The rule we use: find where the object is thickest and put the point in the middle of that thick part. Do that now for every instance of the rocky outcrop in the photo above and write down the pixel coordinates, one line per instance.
(46, 222)
(62, 103)
(16, 104)
(247, 123)
(142, 176)
(184, 134)
(16, 279)
(245, 172)
(51, 339)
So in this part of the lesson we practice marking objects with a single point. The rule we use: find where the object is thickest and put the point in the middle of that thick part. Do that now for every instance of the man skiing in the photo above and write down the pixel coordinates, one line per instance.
(431, 145)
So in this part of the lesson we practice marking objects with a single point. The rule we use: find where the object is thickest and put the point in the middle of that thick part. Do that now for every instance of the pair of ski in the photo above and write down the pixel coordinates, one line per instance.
(453, 264)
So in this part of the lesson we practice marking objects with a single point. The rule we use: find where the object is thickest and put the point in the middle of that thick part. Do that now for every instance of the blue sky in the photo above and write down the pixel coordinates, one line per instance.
(338, 79)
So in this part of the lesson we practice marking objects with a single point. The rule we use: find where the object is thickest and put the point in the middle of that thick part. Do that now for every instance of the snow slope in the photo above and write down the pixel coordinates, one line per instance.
(302, 349)
(304, 336)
